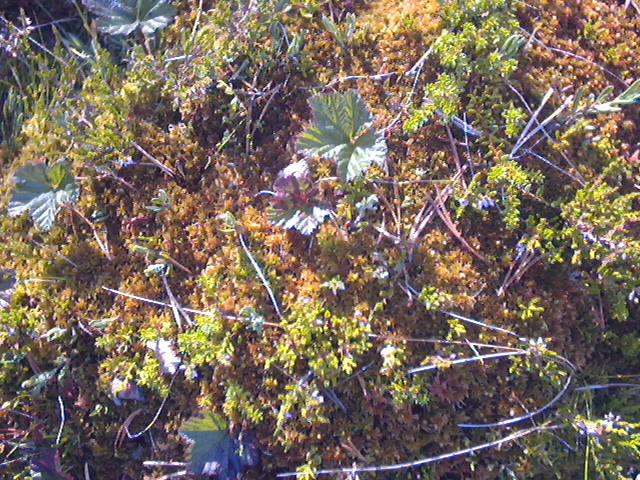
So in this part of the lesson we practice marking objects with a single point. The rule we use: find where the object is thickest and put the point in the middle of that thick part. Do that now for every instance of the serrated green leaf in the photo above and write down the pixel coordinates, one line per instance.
(214, 451)
(207, 433)
(121, 17)
(42, 190)
(305, 219)
(342, 131)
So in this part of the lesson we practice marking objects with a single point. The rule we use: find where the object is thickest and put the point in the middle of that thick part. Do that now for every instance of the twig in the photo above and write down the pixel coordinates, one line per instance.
(460, 361)
(151, 463)
(272, 95)
(532, 120)
(553, 165)
(162, 304)
(178, 311)
(532, 38)
(456, 157)
(608, 385)
(103, 246)
(181, 473)
(190, 310)
(546, 134)
(127, 422)
(440, 341)
(518, 268)
(425, 461)
(521, 418)
(258, 270)
(482, 324)
(446, 219)
(44, 247)
(379, 76)
(62, 420)
(157, 163)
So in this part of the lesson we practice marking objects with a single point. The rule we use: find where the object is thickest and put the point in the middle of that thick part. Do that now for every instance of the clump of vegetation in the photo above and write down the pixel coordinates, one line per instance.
(352, 246)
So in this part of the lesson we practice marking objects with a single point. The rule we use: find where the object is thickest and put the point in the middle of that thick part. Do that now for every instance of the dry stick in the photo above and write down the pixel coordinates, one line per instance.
(62, 420)
(529, 415)
(157, 163)
(532, 120)
(190, 310)
(272, 95)
(151, 463)
(548, 137)
(179, 474)
(175, 263)
(608, 385)
(521, 352)
(633, 4)
(456, 157)
(44, 247)
(103, 246)
(482, 324)
(526, 261)
(532, 38)
(553, 165)
(385, 200)
(425, 461)
(263, 279)
(420, 224)
(155, 417)
(446, 218)
(177, 309)
(460, 361)
(15, 412)
(443, 342)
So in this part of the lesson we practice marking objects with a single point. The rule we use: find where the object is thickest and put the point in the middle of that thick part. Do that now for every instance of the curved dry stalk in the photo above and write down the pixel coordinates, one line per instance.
(258, 270)
(425, 461)
(62, 420)
(444, 215)
(125, 425)
(529, 415)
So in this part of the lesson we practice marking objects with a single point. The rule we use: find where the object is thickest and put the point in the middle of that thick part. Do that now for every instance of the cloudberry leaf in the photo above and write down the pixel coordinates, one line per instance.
(342, 131)
(42, 190)
(214, 451)
(124, 16)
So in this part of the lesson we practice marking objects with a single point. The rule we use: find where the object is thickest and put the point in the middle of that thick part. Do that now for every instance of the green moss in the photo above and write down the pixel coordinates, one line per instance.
(220, 102)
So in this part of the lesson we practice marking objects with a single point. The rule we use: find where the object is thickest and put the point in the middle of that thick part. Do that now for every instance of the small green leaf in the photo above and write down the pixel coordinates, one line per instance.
(42, 190)
(342, 131)
(121, 17)
(631, 94)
